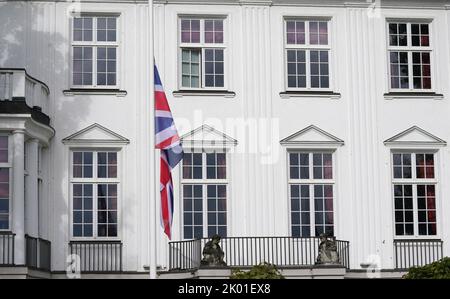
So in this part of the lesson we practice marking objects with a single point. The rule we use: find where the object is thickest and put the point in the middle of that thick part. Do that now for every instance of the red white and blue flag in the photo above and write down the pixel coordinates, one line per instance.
(168, 141)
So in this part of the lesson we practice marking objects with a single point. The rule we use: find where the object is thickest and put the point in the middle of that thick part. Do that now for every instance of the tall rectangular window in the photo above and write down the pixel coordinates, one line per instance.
(94, 51)
(94, 186)
(410, 51)
(414, 191)
(202, 53)
(307, 48)
(311, 189)
(204, 187)
(5, 183)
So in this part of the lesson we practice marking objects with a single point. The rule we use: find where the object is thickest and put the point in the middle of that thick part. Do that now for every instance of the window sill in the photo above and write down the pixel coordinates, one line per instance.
(94, 240)
(310, 94)
(417, 239)
(211, 93)
(94, 91)
(413, 95)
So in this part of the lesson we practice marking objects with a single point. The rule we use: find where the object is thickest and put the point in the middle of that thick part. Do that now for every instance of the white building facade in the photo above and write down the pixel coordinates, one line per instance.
(298, 118)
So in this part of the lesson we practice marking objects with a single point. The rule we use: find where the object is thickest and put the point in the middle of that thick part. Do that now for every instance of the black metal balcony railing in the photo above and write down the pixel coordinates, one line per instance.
(410, 253)
(185, 254)
(250, 251)
(38, 253)
(98, 256)
(6, 248)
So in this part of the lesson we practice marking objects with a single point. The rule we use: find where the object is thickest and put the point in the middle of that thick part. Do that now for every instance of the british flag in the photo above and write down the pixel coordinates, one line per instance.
(168, 141)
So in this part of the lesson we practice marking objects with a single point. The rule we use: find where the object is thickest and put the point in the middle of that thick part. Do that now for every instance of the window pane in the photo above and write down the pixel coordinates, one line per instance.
(192, 208)
(319, 69)
(4, 198)
(300, 210)
(82, 164)
(296, 68)
(419, 35)
(187, 166)
(82, 210)
(214, 68)
(107, 164)
(3, 149)
(107, 210)
(397, 34)
(399, 70)
(402, 166)
(190, 31)
(426, 199)
(213, 31)
(82, 29)
(216, 218)
(4, 205)
(399, 64)
(403, 209)
(421, 70)
(106, 66)
(190, 68)
(323, 33)
(101, 35)
(82, 66)
(295, 32)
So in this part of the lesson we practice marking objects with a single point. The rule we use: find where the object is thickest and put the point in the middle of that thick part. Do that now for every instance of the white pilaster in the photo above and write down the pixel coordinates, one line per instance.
(31, 199)
(18, 202)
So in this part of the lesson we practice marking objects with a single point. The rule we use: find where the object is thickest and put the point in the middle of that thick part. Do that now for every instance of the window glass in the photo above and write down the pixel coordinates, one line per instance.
(204, 193)
(311, 193)
(94, 51)
(306, 65)
(414, 192)
(409, 56)
(202, 53)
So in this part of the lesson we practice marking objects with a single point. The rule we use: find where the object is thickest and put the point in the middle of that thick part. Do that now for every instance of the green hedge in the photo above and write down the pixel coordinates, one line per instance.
(261, 271)
(436, 270)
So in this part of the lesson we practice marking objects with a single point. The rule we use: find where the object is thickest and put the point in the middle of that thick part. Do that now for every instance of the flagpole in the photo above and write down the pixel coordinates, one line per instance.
(152, 165)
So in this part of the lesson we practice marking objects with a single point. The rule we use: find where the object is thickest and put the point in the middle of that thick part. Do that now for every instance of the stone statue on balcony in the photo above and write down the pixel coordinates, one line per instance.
(212, 253)
(327, 251)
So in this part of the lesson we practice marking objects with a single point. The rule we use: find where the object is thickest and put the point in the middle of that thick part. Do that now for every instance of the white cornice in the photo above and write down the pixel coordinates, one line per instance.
(214, 138)
(24, 122)
(384, 4)
(256, 2)
(414, 137)
(317, 138)
(103, 136)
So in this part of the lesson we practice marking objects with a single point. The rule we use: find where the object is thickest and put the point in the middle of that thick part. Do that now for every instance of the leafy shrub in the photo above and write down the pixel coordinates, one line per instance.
(261, 271)
(436, 270)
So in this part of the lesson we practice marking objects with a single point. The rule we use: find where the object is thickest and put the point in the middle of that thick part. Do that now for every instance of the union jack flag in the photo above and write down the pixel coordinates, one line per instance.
(168, 141)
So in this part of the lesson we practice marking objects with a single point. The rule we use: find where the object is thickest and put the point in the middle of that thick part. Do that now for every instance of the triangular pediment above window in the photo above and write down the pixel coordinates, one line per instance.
(207, 136)
(312, 135)
(96, 134)
(415, 136)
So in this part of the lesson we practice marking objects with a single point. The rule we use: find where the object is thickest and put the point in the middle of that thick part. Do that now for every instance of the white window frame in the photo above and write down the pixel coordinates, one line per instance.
(308, 47)
(202, 46)
(409, 49)
(95, 44)
(96, 181)
(205, 182)
(414, 182)
(311, 182)
(8, 165)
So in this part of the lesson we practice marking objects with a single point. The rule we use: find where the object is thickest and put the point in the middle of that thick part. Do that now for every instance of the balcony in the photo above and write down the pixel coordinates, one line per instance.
(38, 253)
(22, 94)
(414, 252)
(250, 251)
(98, 256)
(6, 249)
